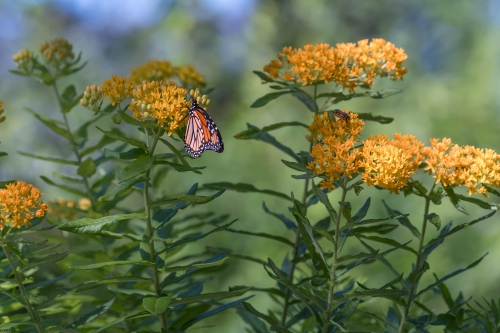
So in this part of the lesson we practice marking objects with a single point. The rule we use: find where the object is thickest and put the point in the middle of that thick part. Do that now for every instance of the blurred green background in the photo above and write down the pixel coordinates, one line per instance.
(451, 90)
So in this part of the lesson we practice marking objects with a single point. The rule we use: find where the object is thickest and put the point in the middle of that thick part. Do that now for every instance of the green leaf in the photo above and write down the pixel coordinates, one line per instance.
(87, 168)
(385, 93)
(323, 198)
(7, 182)
(477, 202)
(137, 167)
(131, 154)
(142, 314)
(89, 316)
(64, 187)
(53, 257)
(438, 282)
(267, 98)
(132, 291)
(52, 124)
(96, 283)
(50, 159)
(263, 76)
(95, 226)
(305, 99)
(123, 186)
(113, 263)
(270, 320)
(297, 166)
(385, 293)
(180, 167)
(254, 132)
(416, 274)
(2, 153)
(199, 199)
(388, 241)
(69, 98)
(313, 247)
(212, 312)
(455, 200)
(194, 266)
(378, 119)
(268, 138)
(122, 138)
(104, 141)
(458, 228)
(263, 235)
(243, 187)
(193, 238)
(180, 157)
(403, 220)
(434, 219)
(156, 305)
(132, 121)
(370, 221)
(67, 178)
(208, 297)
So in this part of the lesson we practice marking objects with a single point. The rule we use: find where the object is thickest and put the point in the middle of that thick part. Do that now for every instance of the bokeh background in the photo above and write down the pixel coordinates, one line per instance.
(451, 90)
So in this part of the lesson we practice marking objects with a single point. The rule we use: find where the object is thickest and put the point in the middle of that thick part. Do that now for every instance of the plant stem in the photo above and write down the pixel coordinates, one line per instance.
(21, 286)
(152, 251)
(294, 264)
(413, 286)
(326, 324)
(73, 145)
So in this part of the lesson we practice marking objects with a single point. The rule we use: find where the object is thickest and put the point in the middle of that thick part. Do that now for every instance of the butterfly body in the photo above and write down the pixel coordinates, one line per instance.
(201, 132)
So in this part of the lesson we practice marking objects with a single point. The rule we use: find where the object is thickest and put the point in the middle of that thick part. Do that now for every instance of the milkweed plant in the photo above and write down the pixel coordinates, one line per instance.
(119, 253)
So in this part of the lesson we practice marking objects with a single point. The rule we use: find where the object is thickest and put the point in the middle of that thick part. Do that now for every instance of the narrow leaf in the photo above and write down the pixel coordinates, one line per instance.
(267, 98)
(243, 187)
(94, 226)
(122, 138)
(50, 159)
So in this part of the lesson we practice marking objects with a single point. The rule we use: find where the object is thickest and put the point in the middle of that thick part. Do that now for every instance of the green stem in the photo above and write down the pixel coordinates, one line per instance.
(73, 145)
(314, 98)
(294, 264)
(326, 324)
(19, 281)
(152, 251)
(413, 287)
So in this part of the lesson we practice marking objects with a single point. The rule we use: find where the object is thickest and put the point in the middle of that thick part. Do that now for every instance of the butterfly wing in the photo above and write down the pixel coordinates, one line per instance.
(201, 133)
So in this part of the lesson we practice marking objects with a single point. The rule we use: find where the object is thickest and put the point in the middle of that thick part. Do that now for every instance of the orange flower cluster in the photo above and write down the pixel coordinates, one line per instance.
(153, 70)
(161, 70)
(189, 77)
(348, 64)
(2, 119)
(333, 150)
(164, 101)
(117, 89)
(65, 208)
(453, 165)
(19, 204)
(390, 163)
(57, 52)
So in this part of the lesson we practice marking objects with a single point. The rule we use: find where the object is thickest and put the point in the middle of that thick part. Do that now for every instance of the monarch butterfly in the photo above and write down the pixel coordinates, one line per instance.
(201, 132)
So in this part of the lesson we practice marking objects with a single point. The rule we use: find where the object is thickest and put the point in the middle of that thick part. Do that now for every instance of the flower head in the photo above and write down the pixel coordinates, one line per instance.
(453, 165)
(333, 152)
(204, 101)
(163, 101)
(117, 89)
(189, 77)
(19, 204)
(57, 52)
(24, 59)
(92, 98)
(153, 70)
(2, 119)
(390, 163)
(347, 64)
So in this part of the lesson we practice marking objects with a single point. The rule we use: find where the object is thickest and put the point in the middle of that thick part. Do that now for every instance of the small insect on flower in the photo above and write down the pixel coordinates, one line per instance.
(342, 115)
(201, 132)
